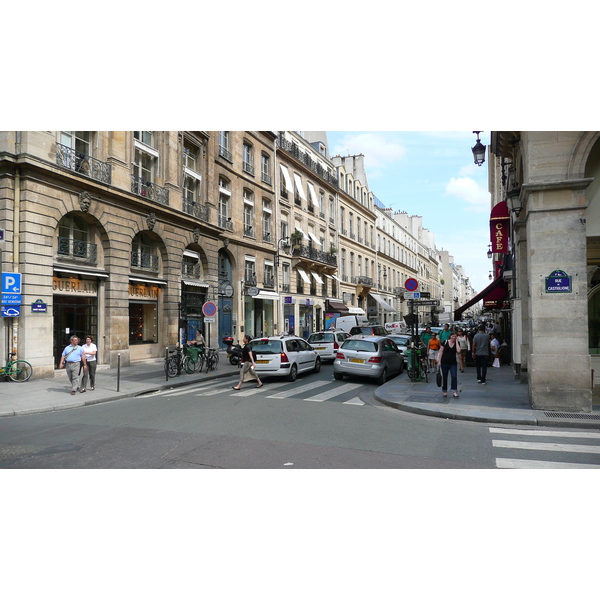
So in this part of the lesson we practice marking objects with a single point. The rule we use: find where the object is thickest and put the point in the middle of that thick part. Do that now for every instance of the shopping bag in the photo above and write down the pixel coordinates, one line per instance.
(496, 362)
(438, 378)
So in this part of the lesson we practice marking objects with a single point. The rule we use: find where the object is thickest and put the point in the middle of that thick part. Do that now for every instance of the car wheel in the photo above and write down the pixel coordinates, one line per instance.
(338, 376)
(293, 373)
(382, 378)
(401, 368)
(317, 364)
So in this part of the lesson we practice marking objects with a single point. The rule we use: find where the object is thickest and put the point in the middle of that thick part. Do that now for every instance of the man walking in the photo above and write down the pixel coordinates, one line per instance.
(481, 353)
(74, 357)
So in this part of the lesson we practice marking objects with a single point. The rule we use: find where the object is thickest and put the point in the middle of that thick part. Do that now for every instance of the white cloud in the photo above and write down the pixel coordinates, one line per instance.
(470, 193)
(378, 150)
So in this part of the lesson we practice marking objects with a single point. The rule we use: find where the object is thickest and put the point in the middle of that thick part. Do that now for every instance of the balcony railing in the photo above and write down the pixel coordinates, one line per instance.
(200, 211)
(314, 254)
(248, 167)
(363, 280)
(285, 287)
(77, 249)
(250, 279)
(83, 164)
(190, 270)
(269, 282)
(149, 190)
(266, 236)
(305, 158)
(266, 178)
(224, 152)
(144, 260)
(248, 230)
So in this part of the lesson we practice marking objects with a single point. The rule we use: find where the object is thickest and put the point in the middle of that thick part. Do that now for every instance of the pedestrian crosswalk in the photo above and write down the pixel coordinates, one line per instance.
(313, 391)
(558, 450)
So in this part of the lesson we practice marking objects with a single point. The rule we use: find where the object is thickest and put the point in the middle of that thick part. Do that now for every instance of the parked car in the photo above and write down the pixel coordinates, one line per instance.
(403, 342)
(327, 343)
(368, 356)
(284, 356)
(368, 330)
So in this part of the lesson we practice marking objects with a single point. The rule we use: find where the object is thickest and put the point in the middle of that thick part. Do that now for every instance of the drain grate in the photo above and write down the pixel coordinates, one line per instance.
(563, 415)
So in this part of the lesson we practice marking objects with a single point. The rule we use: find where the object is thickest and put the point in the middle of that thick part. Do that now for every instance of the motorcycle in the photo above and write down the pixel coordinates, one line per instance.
(234, 351)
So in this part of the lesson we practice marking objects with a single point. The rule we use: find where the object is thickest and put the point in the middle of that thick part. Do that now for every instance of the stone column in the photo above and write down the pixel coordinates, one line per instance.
(559, 365)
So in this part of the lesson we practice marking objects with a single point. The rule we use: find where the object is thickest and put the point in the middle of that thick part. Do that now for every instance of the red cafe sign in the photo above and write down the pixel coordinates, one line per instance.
(499, 227)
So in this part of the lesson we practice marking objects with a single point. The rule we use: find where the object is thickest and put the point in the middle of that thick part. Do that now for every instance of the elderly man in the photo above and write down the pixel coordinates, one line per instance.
(74, 358)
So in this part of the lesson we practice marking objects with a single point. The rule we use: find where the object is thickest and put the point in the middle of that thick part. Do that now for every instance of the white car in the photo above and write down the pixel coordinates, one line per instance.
(327, 343)
(284, 356)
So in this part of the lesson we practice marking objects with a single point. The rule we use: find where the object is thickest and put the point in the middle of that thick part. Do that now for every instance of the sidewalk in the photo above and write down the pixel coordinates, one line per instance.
(502, 400)
(47, 395)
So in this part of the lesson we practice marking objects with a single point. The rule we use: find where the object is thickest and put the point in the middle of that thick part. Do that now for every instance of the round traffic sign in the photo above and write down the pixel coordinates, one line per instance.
(209, 309)
(411, 284)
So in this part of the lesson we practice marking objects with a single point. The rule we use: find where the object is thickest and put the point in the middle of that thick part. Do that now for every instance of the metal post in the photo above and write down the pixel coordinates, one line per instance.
(118, 371)
(167, 362)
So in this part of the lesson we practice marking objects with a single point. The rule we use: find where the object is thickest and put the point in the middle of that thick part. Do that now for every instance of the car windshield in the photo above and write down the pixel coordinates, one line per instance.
(320, 337)
(401, 341)
(360, 345)
(266, 346)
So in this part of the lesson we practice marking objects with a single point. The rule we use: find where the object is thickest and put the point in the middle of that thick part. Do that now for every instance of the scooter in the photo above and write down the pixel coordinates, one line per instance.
(234, 351)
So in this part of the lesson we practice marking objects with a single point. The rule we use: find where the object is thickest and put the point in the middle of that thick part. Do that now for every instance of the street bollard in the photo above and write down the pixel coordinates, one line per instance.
(118, 371)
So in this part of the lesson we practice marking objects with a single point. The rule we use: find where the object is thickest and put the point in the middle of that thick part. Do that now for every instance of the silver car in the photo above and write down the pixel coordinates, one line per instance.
(327, 343)
(403, 342)
(285, 356)
(368, 356)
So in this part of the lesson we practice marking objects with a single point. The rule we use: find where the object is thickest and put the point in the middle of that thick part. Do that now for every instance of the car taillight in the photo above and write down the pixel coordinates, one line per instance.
(336, 346)
(340, 355)
(375, 359)
(284, 358)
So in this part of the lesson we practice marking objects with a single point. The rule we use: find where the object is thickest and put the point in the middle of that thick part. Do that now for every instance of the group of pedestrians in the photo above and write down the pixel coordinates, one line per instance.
(80, 364)
(448, 352)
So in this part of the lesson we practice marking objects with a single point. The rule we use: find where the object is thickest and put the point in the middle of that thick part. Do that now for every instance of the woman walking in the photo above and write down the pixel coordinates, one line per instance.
(247, 373)
(447, 360)
(464, 346)
(89, 351)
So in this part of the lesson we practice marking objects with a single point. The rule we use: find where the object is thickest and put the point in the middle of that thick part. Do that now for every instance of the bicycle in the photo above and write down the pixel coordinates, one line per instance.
(193, 359)
(17, 370)
(418, 367)
(212, 360)
(173, 362)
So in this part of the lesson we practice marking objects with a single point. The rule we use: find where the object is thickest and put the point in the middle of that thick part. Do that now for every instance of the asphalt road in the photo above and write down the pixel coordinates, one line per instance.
(314, 423)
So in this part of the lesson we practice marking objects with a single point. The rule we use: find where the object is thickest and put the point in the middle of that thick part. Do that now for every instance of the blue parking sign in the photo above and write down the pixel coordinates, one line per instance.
(11, 283)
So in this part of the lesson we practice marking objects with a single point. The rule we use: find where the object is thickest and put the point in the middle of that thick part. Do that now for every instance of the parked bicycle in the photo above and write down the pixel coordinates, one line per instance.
(418, 367)
(174, 362)
(193, 359)
(212, 359)
(16, 370)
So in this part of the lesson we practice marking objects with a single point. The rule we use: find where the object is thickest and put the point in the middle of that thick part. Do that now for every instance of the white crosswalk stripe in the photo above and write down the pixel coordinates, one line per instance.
(528, 446)
(298, 391)
(332, 393)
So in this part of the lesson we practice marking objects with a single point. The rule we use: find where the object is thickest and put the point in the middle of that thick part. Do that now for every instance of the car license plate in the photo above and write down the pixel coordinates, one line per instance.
(358, 360)
(320, 348)
(262, 362)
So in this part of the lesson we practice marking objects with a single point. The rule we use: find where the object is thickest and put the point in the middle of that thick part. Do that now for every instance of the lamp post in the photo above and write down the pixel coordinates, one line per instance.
(283, 244)
(489, 252)
(478, 151)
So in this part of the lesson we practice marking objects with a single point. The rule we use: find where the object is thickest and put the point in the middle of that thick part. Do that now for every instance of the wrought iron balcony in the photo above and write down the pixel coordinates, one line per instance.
(77, 249)
(250, 280)
(200, 211)
(190, 270)
(363, 280)
(266, 178)
(248, 230)
(322, 215)
(269, 282)
(83, 164)
(266, 236)
(149, 190)
(247, 167)
(224, 152)
(314, 254)
(144, 260)
(285, 287)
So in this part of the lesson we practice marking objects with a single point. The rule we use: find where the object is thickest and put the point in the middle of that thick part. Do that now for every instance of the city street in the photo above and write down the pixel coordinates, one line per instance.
(314, 423)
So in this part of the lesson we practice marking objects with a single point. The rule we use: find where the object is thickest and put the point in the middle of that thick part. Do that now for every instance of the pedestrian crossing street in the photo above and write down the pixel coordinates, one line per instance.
(315, 391)
(544, 449)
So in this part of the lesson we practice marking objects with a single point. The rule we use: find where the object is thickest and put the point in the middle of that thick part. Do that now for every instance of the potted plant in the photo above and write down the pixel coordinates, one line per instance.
(296, 238)
(332, 249)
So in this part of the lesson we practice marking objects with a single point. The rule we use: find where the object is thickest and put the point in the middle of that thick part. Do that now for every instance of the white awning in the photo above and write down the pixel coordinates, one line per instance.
(264, 295)
(300, 230)
(313, 195)
(191, 254)
(286, 177)
(317, 277)
(336, 278)
(314, 238)
(299, 186)
(303, 274)
(353, 310)
(150, 281)
(382, 302)
(195, 283)
(76, 272)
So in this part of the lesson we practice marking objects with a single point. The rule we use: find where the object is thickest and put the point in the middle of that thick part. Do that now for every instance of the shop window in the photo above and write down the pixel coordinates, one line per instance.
(143, 323)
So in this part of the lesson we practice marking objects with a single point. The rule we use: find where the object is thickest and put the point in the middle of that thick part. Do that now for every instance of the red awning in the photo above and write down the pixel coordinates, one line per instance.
(336, 306)
(500, 211)
(498, 283)
(496, 298)
(499, 228)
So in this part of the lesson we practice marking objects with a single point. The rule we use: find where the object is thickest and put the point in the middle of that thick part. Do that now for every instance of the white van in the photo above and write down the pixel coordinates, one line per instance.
(395, 328)
(346, 323)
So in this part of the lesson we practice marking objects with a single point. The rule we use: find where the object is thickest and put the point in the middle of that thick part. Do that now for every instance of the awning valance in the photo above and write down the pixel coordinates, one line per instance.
(353, 310)
(299, 186)
(317, 277)
(336, 306)
(499, 228)
(265, 295)
(303, 274)
(288, 181)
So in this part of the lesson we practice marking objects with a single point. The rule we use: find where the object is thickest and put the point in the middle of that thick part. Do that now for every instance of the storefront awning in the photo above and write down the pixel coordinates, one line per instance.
(75, 272)
(382, 302)
(336, 306)
(497, 283)
(353, 310)
(265, 295)
(149, 281)
(194, 283)
(317, 277)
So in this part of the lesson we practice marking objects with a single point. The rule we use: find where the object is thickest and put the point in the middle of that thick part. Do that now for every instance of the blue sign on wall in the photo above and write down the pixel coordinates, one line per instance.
(11, 283)
(558, 282)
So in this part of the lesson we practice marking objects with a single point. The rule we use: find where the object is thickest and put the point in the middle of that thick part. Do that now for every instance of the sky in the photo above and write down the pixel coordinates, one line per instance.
(431, 174)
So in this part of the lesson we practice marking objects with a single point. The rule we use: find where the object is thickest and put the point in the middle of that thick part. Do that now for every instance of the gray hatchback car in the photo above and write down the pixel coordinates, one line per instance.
(368, 356)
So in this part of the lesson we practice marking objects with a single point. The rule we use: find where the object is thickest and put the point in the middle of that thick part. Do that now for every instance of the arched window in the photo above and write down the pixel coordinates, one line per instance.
(73, 239)
(144, 254)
